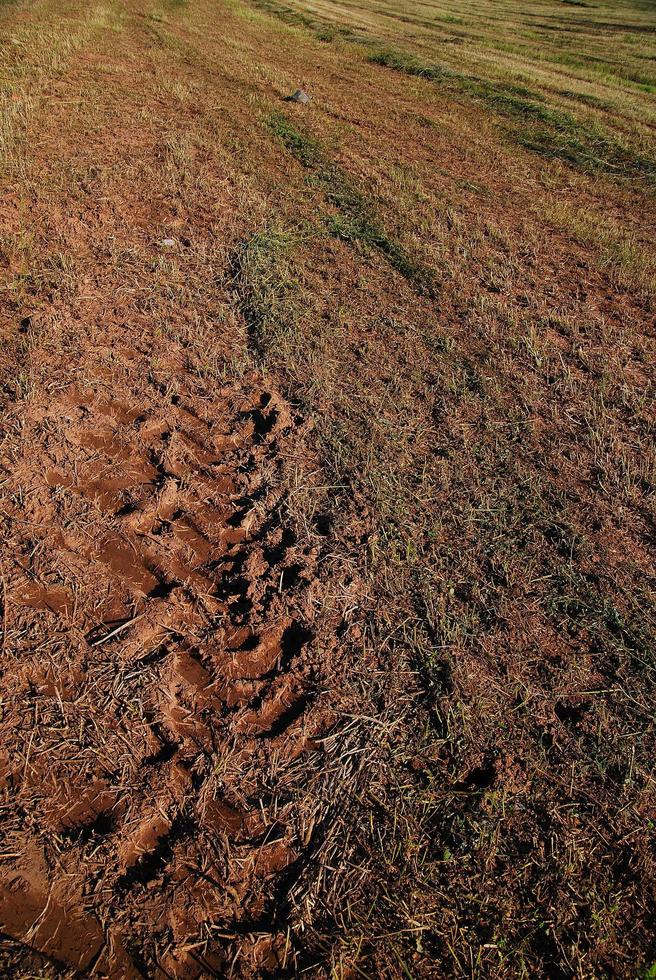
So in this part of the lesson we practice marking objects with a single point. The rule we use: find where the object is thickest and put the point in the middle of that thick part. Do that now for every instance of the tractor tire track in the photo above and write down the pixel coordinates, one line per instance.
(162, 687)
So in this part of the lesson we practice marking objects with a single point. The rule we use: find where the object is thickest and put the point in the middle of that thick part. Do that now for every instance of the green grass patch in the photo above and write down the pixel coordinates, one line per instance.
(512, 99)
(587, 149)
(409, 64)
(356, 220)
(449, 19)
(263, 274)
(585, 99)
(303, 148)
(544, 129)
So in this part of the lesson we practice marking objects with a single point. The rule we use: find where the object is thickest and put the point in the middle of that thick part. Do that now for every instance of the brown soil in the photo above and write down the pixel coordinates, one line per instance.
(324, 599)
(160, 656)
(165, 634)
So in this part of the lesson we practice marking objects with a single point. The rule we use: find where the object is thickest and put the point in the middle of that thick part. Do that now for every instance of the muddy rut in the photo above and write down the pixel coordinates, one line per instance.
(162, 686)
(170, 628)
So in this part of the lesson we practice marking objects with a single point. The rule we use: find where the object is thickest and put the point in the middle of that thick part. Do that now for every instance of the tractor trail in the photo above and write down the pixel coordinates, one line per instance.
(161, 686)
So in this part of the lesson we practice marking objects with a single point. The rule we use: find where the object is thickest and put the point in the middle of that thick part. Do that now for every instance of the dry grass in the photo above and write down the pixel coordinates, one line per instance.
(444, 262)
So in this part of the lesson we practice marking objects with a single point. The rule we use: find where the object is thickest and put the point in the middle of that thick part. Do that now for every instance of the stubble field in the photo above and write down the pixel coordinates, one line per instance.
(327, 480)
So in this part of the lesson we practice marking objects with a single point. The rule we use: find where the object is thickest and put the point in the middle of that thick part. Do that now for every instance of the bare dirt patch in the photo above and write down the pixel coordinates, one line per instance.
(163, 673)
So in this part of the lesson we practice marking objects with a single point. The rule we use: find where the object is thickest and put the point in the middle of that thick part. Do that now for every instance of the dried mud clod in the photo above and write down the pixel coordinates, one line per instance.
(163, 683)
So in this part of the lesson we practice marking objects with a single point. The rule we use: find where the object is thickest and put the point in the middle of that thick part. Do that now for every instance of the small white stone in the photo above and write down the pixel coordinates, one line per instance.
(168, 242)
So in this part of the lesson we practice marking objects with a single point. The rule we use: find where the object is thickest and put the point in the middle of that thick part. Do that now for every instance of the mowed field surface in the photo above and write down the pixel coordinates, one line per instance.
(327, 479)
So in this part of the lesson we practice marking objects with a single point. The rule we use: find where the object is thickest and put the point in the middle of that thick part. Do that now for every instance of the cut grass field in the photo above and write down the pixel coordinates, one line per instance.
(328, 489)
